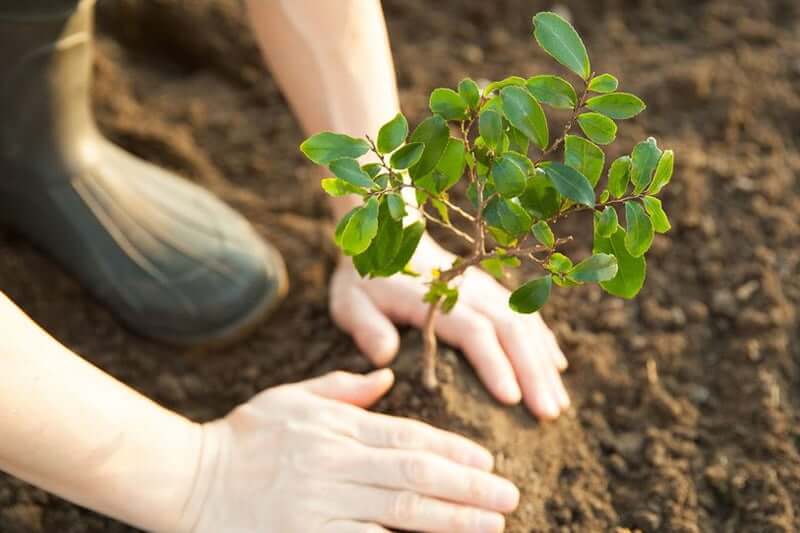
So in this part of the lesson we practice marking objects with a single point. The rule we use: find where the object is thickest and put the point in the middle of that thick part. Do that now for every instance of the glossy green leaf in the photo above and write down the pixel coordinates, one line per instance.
(631, 270)
(663, 173)
(509, 177)
(559, 263)
(619, 176)
(540, 198)
(585, 157)
(531, 296)
(372, 169)
(392, 134)
(559, 39)
(511, 81)
(496, 265)
(448, 104)
(470, 92)
(605, 223)
(396, 205)
(553, 91)
(338, 187)
(434, 134)
(490, 127)
(407, 156)
(644, 159)
(325, 147)
(383, 247)
(657, 214)
(361, 228)
(598, 267)
(507, 215)
(618, 106)
(449, 169)
(639, 235)
(524, 113)
(342, 224)
(570, 183)
(604, 83)
(599, 128)
(408, 245)
(604, 197)
(541, 230)
(350, 171)
(518, 142)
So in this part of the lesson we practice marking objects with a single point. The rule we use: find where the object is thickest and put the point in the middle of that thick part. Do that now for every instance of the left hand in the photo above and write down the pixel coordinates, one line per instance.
(516, 356)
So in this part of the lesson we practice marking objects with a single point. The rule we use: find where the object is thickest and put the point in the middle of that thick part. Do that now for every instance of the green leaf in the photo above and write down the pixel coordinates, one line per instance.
(411, 237)
(631, 270)
(531, 296)
(441, 207)
(396, 205)
(448, 104)
(382, 180)
(508, 216)
(469, 92)
(496, 265)
(383, 247)
(434, 133)
(490, 127)
(663, 173)
(392, 134)
(619, 175)
(585, 157)
(372, 169)
(541, 230)
(559, 39)
(540, 198)
(407, 156)
(570, 183)
(338, 187)
(553, 91)
(604, 83)
(361, 228)
(449, 169)
(618, 106)
(657, 214)
(518, 142)
(511, 81)
(559, 263)
(325, 147)
(644, 159)
(639, 234)
(350, 171)
(599, 267)
(606, 222)
(342, 224)
(524, 113)
(604, 196)
(599, 128)
(509, 173)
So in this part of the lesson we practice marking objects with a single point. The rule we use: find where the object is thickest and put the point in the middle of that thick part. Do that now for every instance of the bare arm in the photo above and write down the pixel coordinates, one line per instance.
(73, 430)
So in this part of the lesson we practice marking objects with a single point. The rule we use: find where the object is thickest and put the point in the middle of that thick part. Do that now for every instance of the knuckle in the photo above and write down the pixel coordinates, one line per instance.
(417, 472)
(404, 436)
(405, 507)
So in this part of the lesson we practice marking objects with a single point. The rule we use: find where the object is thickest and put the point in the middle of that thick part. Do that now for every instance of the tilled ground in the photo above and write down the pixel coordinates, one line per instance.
(686, 399)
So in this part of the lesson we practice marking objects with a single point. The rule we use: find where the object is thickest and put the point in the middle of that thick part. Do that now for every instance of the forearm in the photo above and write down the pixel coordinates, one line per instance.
(72, 430)
(332, 61)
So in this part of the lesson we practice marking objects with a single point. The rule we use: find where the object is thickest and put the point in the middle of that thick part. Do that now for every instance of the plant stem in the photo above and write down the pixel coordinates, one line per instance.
(430, 347)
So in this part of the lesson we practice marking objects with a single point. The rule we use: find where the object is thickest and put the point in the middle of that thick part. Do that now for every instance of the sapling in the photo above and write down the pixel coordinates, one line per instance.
(520, 181)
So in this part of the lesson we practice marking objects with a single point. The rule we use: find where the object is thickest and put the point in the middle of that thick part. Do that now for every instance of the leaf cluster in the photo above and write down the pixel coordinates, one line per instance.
(521, 179)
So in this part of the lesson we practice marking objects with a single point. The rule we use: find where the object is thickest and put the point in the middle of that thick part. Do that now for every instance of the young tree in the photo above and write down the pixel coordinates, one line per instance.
(515, 198)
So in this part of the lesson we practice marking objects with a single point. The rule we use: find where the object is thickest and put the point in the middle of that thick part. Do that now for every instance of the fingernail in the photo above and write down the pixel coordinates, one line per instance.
(506, 497)
(491, 523)
(510, 390)
(549, 406)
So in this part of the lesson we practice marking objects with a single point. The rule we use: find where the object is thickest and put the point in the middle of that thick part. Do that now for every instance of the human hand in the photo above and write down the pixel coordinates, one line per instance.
(516, 355)
(307, 458)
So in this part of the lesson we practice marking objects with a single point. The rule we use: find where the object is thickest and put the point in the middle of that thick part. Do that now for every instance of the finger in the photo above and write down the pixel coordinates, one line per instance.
(348, 526)
(475, 335)
(382, 431)
(356, 389)
(373, 332)
(411, 511)
(432, 475)
(549, 339)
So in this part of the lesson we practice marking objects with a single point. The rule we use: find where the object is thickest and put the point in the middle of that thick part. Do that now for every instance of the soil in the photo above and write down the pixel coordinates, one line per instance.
(686, 400)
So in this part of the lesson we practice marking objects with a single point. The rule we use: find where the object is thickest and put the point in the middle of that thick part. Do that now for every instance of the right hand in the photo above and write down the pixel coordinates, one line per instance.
(308, 458)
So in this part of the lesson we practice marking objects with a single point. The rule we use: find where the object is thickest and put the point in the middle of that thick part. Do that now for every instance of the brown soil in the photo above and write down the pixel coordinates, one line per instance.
(686, 400)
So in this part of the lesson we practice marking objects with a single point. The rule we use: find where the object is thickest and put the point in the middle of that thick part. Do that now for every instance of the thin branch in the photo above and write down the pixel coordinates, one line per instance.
(442, 223)
(457, 209)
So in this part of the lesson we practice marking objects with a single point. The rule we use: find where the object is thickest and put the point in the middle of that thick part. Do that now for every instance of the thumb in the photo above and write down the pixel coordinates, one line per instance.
(372, 331)
(356, 389)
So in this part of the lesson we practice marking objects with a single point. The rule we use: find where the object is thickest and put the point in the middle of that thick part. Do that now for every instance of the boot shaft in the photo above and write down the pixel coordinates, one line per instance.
(45, 71)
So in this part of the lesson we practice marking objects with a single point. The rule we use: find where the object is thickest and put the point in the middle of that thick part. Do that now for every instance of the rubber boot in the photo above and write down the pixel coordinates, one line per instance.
(173, 262)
